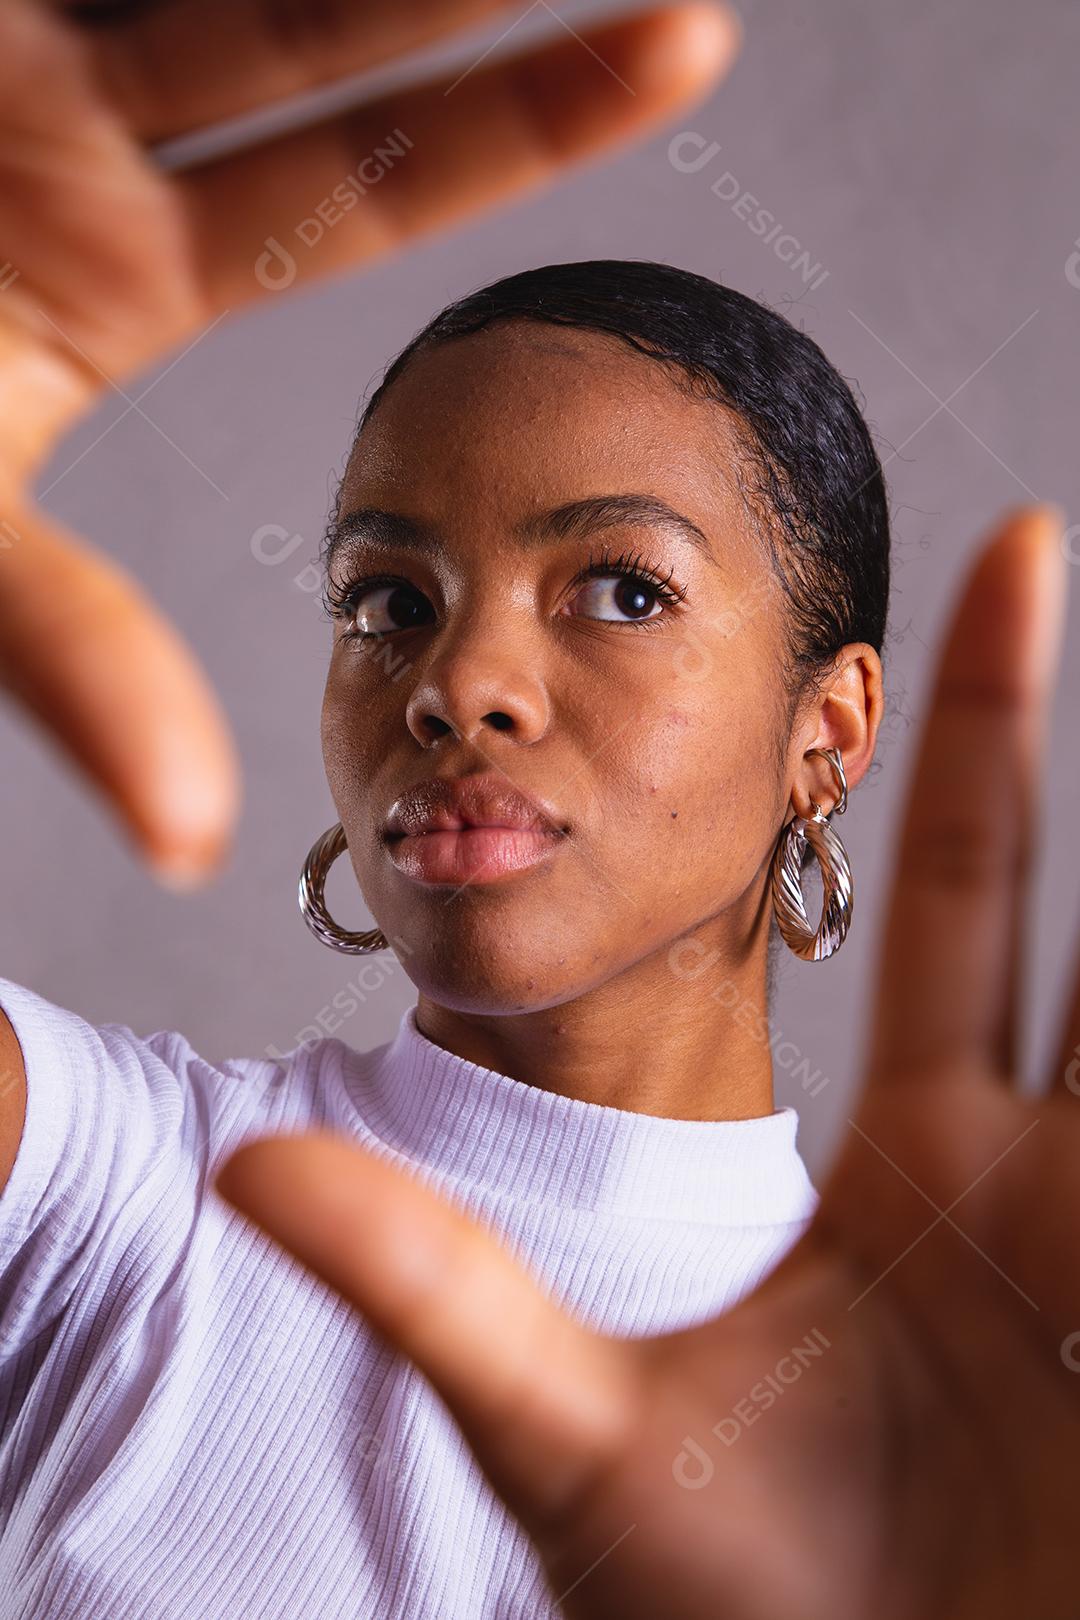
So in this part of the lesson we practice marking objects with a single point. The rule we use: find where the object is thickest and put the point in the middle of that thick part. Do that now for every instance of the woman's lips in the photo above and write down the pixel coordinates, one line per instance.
(471, 854)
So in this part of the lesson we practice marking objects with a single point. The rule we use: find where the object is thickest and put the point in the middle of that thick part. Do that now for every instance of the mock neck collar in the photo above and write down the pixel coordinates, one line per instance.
(477, 1127)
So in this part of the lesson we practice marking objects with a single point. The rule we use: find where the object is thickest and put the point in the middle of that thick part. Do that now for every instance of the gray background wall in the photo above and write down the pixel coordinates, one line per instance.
(924, 154)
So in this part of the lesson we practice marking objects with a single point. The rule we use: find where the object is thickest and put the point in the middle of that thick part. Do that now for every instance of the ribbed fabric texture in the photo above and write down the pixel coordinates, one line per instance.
(192, 1427)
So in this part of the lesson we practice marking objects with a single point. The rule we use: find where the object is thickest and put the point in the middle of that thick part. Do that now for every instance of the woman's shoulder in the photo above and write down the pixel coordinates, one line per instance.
(120, 1126)
(62, 1047)
(105, 1096)
(93, 1075)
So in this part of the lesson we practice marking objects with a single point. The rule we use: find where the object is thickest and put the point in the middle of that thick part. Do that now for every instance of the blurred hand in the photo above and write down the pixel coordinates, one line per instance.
(919, 1460)
(106, 263)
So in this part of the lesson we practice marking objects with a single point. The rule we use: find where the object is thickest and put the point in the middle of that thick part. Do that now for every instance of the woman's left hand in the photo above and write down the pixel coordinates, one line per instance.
(920, 1342)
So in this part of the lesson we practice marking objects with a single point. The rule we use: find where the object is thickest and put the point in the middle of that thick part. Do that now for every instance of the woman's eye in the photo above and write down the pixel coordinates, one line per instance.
(384, 606)
(389, 607)
(617, 596)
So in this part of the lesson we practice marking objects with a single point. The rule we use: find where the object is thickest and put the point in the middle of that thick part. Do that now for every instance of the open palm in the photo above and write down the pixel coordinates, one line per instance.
(106, 264)
(888, 1425)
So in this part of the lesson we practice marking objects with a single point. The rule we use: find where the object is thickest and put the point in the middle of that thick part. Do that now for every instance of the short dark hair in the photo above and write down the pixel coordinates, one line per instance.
(810, 474)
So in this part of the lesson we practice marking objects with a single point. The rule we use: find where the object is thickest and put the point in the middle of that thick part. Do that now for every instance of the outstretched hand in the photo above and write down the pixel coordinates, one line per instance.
(922, 1338)
(106, 263)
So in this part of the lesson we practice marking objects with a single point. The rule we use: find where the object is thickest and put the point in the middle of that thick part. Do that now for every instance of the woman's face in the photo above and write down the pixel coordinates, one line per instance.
(553, 711)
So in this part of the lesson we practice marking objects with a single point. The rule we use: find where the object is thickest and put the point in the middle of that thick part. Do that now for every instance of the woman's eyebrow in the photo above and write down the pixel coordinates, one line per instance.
(376, 526)
(605, 512)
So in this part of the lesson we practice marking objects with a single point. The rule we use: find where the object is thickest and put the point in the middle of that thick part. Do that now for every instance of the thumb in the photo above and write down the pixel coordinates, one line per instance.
(541, 1399)
(90, 657)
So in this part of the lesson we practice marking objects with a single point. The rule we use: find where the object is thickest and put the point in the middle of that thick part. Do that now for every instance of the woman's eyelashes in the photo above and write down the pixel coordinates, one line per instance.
(621, 590)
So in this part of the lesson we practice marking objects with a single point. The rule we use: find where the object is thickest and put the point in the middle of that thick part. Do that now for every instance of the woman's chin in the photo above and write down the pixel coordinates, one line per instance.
(493, 974)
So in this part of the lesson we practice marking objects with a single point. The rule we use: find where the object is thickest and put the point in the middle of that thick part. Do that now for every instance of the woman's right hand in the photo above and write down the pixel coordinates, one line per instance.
(106, 263)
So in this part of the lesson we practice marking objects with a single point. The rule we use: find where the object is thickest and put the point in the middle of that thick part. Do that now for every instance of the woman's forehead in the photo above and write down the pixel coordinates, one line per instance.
(542, 412)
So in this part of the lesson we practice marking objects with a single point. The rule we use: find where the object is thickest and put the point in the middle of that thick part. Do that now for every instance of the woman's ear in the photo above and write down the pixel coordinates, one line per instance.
(846, 715)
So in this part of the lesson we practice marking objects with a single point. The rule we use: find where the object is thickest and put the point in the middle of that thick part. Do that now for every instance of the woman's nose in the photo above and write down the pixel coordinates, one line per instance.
(477, 686)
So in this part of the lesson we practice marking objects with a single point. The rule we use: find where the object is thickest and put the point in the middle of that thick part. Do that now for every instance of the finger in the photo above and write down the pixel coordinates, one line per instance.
(948, 979)
(540, 1398)
(176, 68)
(365, 183)
(91, 659)
(98, 278)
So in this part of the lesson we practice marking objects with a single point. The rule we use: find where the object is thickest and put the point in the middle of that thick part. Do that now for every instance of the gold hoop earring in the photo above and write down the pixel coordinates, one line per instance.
(814, 944)
(321, 857)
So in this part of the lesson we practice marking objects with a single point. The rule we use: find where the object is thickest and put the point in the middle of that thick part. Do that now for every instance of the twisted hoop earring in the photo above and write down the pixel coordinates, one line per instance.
(814, 944)
(321, 857)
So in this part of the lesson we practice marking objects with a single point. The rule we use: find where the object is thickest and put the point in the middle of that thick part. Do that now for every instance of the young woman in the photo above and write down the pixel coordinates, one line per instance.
(608, 571)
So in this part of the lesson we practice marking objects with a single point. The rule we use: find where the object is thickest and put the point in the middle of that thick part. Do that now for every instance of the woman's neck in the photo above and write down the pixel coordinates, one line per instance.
(682, 1037)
